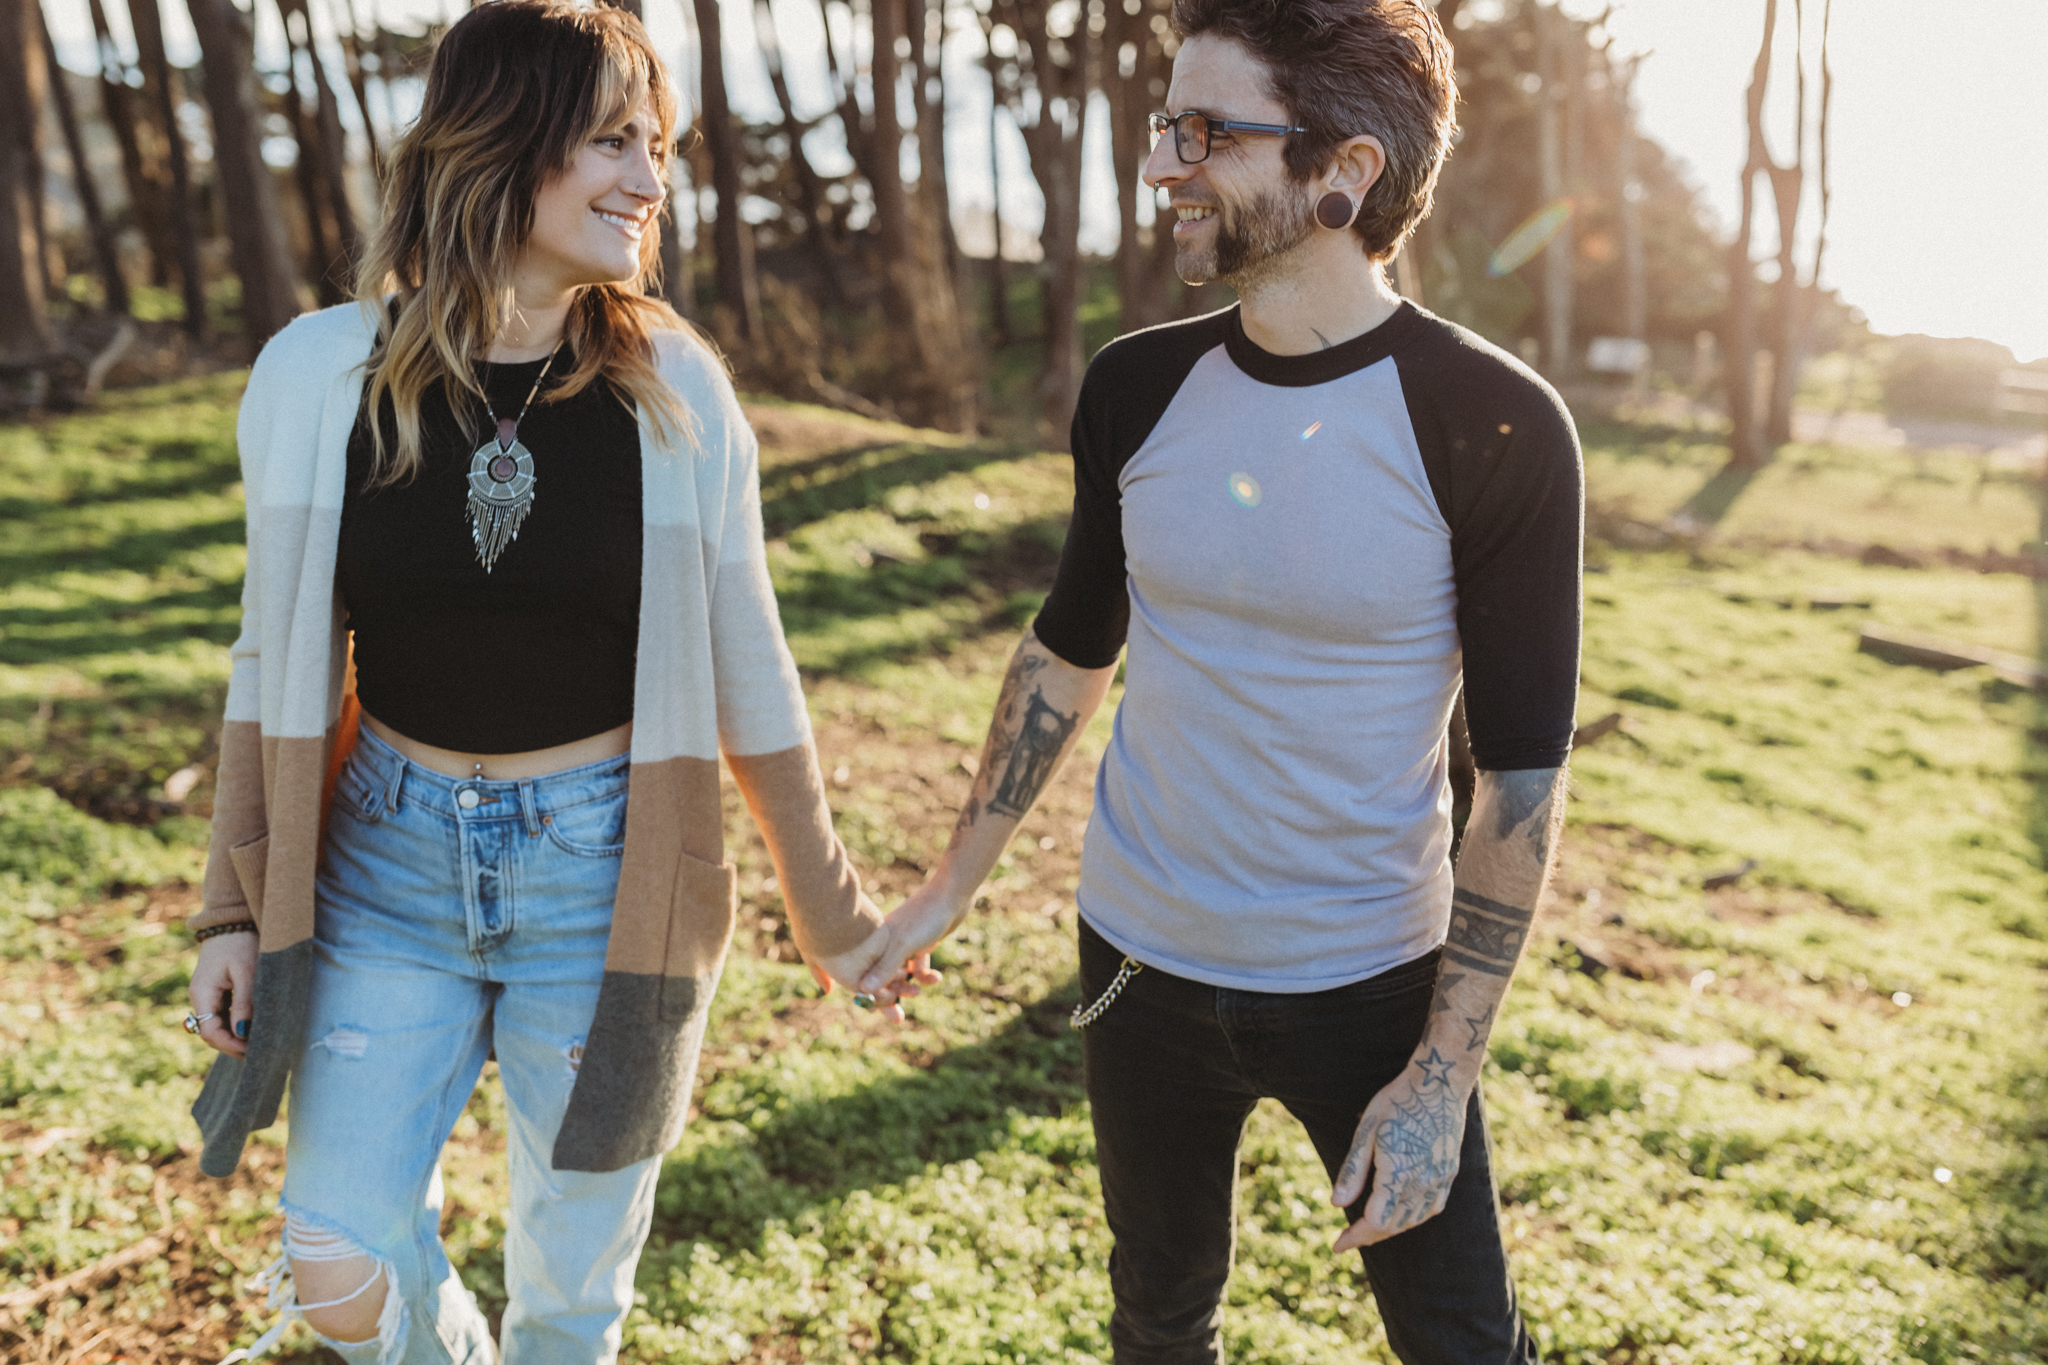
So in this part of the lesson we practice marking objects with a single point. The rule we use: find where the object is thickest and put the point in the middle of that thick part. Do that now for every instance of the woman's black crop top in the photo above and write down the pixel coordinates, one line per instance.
(540, 650)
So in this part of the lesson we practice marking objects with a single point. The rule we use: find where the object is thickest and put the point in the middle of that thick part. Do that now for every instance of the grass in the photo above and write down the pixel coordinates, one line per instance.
(1803, 1117)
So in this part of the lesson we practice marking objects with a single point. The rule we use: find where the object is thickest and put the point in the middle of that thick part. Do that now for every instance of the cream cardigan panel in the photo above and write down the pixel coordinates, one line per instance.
(713, 674)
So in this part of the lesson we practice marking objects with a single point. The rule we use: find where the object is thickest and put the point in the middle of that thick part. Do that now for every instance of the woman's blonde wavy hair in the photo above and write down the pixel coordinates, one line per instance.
(517, 87)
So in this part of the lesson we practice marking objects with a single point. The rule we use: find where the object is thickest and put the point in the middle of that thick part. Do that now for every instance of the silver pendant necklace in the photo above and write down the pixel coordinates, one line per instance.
(501, 480)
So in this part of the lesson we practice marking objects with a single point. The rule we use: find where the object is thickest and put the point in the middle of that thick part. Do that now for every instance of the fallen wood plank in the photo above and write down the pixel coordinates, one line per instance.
(86, 1277)
(1932, 651)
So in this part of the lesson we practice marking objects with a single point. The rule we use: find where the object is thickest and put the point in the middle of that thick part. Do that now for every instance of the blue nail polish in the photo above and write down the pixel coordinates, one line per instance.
(242, 1028)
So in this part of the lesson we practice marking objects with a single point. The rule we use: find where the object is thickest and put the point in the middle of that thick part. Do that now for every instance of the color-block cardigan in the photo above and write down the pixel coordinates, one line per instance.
(713, 676)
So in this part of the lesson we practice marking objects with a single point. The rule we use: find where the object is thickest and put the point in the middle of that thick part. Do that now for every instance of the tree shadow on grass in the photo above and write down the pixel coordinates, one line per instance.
(804, 491)
(812, 1153)
(1714, 498)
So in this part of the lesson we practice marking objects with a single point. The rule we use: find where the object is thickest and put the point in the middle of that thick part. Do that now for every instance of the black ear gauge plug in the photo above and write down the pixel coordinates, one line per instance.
(1335, 210)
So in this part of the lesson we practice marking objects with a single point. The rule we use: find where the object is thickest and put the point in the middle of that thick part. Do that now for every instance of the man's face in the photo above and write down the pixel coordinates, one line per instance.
(1238, 211)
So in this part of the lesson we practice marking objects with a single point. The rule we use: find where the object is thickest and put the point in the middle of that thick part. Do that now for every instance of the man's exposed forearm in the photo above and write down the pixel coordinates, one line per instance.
(1044, 705)
(1510, 842)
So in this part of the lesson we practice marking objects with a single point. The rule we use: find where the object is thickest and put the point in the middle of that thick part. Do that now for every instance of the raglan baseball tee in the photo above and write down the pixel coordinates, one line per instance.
(1307, 556)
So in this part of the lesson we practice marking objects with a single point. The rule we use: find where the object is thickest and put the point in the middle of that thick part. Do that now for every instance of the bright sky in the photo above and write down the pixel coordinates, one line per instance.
(1940, 219)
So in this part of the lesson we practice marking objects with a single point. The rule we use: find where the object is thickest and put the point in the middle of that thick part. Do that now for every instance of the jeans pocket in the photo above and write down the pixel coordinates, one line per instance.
(590, 829)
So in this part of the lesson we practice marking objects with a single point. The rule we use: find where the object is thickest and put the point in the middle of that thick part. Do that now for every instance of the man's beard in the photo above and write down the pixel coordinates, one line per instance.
(1249, 240)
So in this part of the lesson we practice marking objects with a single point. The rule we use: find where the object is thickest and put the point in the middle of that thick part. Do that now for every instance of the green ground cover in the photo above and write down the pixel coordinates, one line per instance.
(1799, 1118)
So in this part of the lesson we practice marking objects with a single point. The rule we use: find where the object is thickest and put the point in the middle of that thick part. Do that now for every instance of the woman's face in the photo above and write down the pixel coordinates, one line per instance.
(588, 218)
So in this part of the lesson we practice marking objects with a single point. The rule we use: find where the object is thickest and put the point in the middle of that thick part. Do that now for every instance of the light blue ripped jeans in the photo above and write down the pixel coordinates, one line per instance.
(457, 917)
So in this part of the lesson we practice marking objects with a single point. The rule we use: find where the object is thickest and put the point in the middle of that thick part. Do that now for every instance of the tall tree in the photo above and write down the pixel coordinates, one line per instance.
(810, 187)
(1629, 193)
(257, 241)
(97, 229)
(1050, 82)
(1137, 63)
(1739, 342)
(732, 240)
(1552, 42)
(149, 42)
(917, 287)
(25, 336)
(1796, 296)
(999, 282)
(323, 146)
(142, 175)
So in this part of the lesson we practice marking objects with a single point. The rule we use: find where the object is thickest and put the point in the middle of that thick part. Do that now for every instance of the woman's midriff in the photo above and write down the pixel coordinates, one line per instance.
(507, 767)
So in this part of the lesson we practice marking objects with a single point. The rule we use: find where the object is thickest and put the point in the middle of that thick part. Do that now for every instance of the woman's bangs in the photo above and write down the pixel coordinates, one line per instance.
(628, 78)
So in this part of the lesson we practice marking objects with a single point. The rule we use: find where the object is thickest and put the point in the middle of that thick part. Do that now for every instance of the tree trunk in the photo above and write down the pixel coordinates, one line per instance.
(1557, 256)
(358, 83)
(96, 226)
(25, 336)
(257, 241)
(999, 275)
(1788, 187)
(1738, 366)
(1053, 139)
(732, 239)
(329, 147)
(149, 42)
(809, 188)
(929, 52)
(1145, 281)
(140, 175)
(1634, 264)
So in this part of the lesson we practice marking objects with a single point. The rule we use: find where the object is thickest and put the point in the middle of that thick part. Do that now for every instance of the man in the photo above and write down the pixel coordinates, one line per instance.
(1311, 517)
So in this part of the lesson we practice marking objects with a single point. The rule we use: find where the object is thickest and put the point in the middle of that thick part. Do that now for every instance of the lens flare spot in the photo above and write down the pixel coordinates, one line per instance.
(1532, 236)
(1313, 428)
(1245, 489)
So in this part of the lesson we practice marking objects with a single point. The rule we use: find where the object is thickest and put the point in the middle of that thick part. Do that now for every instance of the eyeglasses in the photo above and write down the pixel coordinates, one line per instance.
(1192, 131)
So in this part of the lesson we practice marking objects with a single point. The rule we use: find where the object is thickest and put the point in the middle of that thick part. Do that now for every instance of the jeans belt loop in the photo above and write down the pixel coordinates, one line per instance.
(392, 799)
(527, 808)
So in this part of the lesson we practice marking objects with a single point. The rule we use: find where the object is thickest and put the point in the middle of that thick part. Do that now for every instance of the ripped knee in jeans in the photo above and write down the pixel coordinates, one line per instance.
(342, 1289)
(343, 1292)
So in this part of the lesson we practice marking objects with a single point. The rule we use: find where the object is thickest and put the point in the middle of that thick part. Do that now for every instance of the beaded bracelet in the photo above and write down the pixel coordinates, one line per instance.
(240, 926)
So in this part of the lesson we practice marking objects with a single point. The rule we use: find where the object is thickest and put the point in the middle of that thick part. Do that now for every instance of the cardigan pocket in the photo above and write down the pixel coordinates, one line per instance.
(700, 920)
(251, 860)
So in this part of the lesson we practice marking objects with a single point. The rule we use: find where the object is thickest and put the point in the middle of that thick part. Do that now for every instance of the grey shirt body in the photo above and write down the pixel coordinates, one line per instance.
(1273, 812)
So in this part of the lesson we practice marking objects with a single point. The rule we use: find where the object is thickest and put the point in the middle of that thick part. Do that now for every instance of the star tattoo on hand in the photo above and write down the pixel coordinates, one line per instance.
(1436, 1069)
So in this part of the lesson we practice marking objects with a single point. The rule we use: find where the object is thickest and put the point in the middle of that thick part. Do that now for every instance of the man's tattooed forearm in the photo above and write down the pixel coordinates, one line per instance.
(1033, 756)
(1003, 733)
(1486, 935)
(1441, 1004)
(1480, 1027)
(1525, 800)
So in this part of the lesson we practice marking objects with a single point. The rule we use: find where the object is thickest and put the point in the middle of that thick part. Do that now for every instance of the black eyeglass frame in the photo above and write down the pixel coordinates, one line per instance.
(1160, 122)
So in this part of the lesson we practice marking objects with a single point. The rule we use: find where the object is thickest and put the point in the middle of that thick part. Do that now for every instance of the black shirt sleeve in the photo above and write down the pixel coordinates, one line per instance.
(1503, 459)
(1127, 389)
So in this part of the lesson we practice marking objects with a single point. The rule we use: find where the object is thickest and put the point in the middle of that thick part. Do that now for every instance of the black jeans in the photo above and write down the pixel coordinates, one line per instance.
(1174, 1069)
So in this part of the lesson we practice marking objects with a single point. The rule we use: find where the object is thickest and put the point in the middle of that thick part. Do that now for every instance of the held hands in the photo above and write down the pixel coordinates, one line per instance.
(881, 957)
(1409, 1139)
(226, 966)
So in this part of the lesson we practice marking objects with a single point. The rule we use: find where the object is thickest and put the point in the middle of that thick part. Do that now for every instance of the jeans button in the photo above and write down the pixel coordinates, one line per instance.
(467, 798)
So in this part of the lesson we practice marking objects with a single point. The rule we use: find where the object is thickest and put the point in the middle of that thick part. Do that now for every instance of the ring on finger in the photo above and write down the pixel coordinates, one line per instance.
(193, 1021)
(864, 1000)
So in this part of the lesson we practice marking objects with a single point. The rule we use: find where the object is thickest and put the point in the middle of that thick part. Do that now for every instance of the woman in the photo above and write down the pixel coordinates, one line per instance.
(523, 492)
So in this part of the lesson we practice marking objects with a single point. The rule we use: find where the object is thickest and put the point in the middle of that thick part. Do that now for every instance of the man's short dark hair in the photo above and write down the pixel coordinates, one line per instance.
(1346, 67)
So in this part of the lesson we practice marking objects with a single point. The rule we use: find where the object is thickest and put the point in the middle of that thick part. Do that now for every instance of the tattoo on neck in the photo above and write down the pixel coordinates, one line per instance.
(1320, 337)
(1486, 935)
